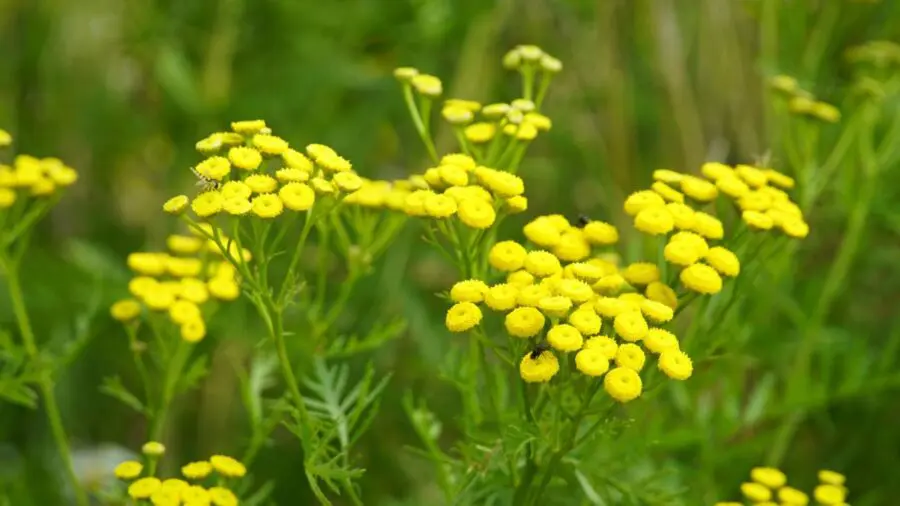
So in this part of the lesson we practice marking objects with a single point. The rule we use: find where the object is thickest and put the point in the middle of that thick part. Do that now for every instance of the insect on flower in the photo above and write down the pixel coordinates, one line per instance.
(539, 349)
(206, 184)
(583, 220)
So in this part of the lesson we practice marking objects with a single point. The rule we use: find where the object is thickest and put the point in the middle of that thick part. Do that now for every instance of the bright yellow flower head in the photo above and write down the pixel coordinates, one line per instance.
(832, 477)
(517, 204)
(592, 362)
(715, 170)
(128, 470)
(732, 186)
(541, 231)
(702, 279)
(248, 127)
(8, 198)
(270, 144)
(574, 289)
(779, 179)
(153, 449)
(476, 213)
(540, 368)
(565, 338)
(440, 206)
(507, 256)
(207, 204)
(601, 233)
(623, 384)
(267, 205)
(470, 290)
(644, 199)
(427, 85)
(125, 310)
(297, 196)
(193, 330)
(768, 476)
(228, 466)
(630, 325)
(792, 496)
(682, 253)
(542, 264)
(660, 292)
(708, 225)
(572, 246)
(501, 297)
(237, 206)
(197, 470)
(724, 261)
(224, 288)
(144, 487)
(176, 205)
(682, 215)
(667, 192)
(751, 175)
(261, 183)
(462, 316)
(675, 364)
(656, 311)
(757, 220)
(667, 176)
(244, 158)
(755, 201)
(183, 311)
(158, 298)
(660, 340)
(586, 321)
(641, 273)
(698, 189)
(524, 322)
(755, 492)
(607, 345)
(654, 220)
(221, 496)
(466, 162)
(630, 356)
(520, 278)
(481, 132)
(830, 494)
(214, 167)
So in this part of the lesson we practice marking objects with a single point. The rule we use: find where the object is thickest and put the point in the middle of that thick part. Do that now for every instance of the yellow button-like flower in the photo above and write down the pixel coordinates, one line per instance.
(755, 201)
(244, 158)
(660, 340)
(439, 206)
(270, 144)
(297, 160)
(607, 345)
(792, 496)
(237, 206)
(555, 305)
(462, 316)
(832, 477)
(656, 311)
(507, 256)
(501, 297)
(195, 495)
(574, 289)
(592, 362)
(538, 367)
(214, 167)
(631, 356)
(517, 204)
(176, 205)
(610, 307)
(291, 175)
(228, 466)
(459, 160)
(586, 321)
(182, 311)
(320, 151)
(5, 138)
(623, 384)
(682, 253)
(163, 497)
(267, 205)
(297, 196)
(223, 288)
(248, 127)
(644, 199)
(630, 325)
(129, 470)
(674, 363)
(565, 338)
(524, 322)
(757, 220)
(8, 198)
(520, 278)
(261, 183)
(830, 494)
(158, 298)
(682, 215)
(732, 186)
(654, 221)
(125, 310)
(503, 184)
(453, 175)
(531, 295)
(660, 292)
(144, 487)
(701, 278)
(542, 264)
(221, 496)
(826, 112)
(724, 261)
(600, 233)
(427, 85)
(795, 227)
(715, 170)
(207, 204)
(480, 132)
(586, 271)
(184, 244)
(667, 192)
(641, 273)
(236, 189)
(572, 246)
(754, 491)
(197, 470)
(476, 213)
(153, 449)
(768, 476)
(469, 290)
(347, 181)
(541, 231)
(698, 189)
(708, 226)
(148, 264)
(779, 179)
(751, 175)
(667, 176)
(193, 330)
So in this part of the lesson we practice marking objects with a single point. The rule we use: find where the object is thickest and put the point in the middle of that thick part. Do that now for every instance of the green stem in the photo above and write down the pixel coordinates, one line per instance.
(170, 382)
(417, 121)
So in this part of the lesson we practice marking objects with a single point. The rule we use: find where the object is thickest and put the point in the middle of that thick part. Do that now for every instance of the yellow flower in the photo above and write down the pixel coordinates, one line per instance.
(476, 213)
(695, 240)
(541, 122)
(5, 138)
(129, 470)
(470, 290)
(517, 204)
(267, 205)
(609, 284)
(600, 233)
(427, 85)
(197, 470)
(779, 179)
(270, 144)
(531, 295)
(290, 175)
(592, 362)
(751, 175)
(698, 189)
(184, 244)
(623, 384)
(732, 186)
(795, 227)
(236, 189)
(141, 285)
(654, 221)
(611, 307)
(214, 167)
(660, 340)
(237, 206)
(524, 322)
(405, 74)
(525, 132)
(574, 289)
(708, 226)
(656, 311)
(501, 297)
(641, 273)
(831, 477)
(586, 321)
(501, 183)
(207, 204)
(469, 105)
(182, 311)
(667, 192)
(660, 292)
(538, 369)
(223, 288)
(460, 160)
(440, 206)
(261, 183)
(768, 476)
(125, 310)
(724, 261)
(153, 448)
(606, 345)
(630, 325)
(8, 198)
(222, 497)
(176, 205)
(320, 151)
(453, 175)
(757, 220)
(801, 105)
(541, 231)
(565, 338)
(507, 256)
(158, 298)
(701, 278)
(792, 496)
(520, 278)
(245, 158)
(682, 253)
(248, 127)
(297, 196)
(462, 316)
(144, 487)
(297, 160)
(674, 363)
(715, 170)
(583, 270)
(195, 495)
(667, 176)
(644, 199)
(334, 163)
(830, 494)
(542, 264)
(347, 181)
(755, 492)
(148, 264)
(163, 497)
(630, 356)
(193, 330)
(572, 246)
(755, 201)
(481, 132)
(228, 466)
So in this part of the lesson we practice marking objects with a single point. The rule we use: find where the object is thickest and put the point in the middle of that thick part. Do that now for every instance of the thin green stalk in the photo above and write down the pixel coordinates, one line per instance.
(170, 382)
(418, 122)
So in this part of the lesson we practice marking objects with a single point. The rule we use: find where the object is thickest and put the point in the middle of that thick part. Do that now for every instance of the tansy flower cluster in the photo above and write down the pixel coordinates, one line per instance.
(768, 487)
(179, 282)
(204, 483)
(567, 298)
(803, 103)
(29, 181)
(249, 171)
(517, 120)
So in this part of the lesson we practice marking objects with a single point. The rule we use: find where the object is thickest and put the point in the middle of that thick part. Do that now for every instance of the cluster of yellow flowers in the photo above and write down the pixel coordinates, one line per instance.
(180, 282)
(150, 489)
(31, 177)
(251, 171)
(769, 485)
(569, 291)
(802, 102)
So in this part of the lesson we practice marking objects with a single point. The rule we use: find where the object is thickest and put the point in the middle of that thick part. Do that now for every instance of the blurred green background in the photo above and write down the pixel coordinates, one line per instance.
(122, 90)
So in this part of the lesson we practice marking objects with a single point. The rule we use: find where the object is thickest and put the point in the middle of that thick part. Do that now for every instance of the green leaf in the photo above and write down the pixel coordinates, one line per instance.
(113, 387)
(18, 392)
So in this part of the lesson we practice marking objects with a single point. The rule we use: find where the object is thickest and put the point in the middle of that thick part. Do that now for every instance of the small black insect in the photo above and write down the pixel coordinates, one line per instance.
(539, 349)
(583, 220)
